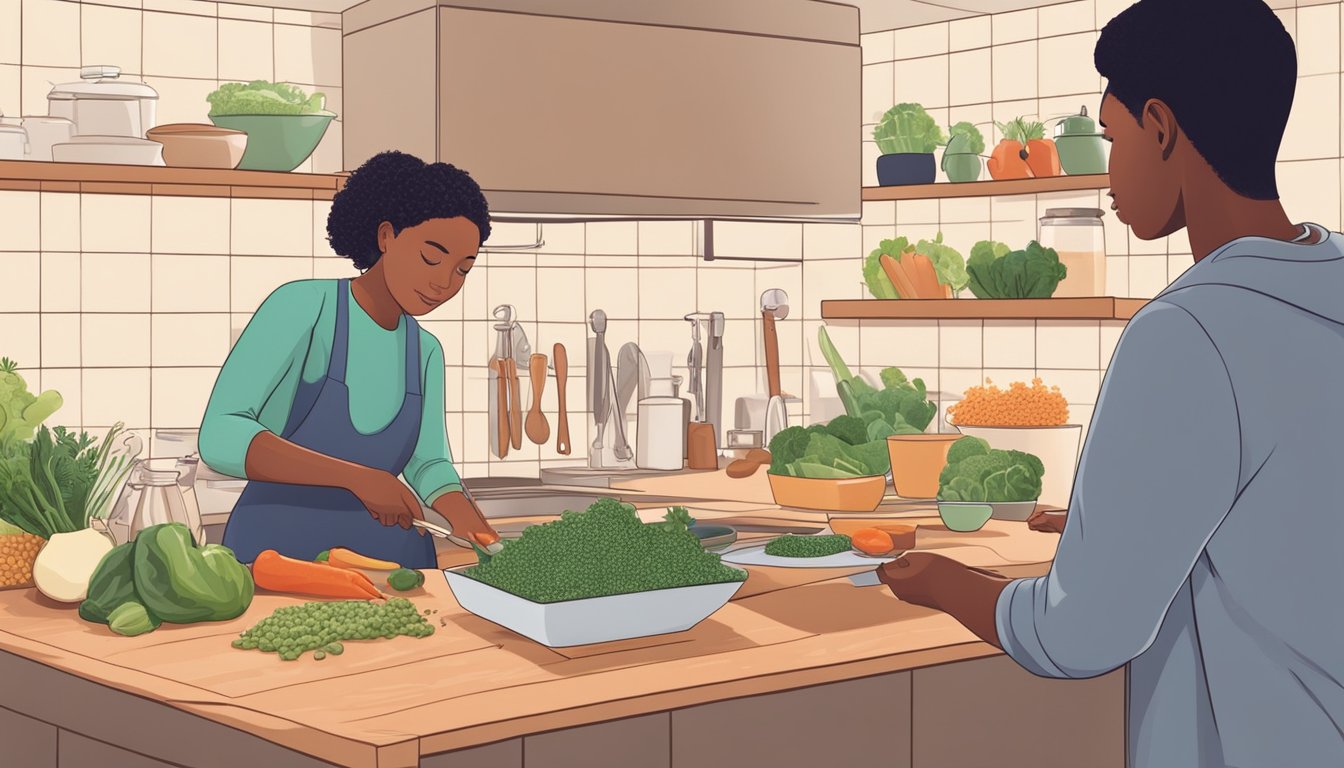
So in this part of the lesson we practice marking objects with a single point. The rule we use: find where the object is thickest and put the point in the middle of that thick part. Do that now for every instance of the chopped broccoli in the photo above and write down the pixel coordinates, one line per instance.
(605, 550)
(790, 545)
(976, 472)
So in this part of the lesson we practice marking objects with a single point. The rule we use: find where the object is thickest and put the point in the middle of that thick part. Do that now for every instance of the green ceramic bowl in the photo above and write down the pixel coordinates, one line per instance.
(277, 142)
(964, 516)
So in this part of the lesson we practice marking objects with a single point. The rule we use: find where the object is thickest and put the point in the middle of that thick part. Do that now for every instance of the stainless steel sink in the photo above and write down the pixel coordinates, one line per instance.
(526, 497)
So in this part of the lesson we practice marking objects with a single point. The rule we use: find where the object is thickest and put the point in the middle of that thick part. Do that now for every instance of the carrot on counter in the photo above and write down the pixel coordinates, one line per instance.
(277, 573)
(346, 558)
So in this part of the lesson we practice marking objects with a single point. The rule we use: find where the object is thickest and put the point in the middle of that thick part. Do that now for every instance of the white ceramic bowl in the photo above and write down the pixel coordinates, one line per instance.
(1056, 447)
(594, 620)
(117, 150)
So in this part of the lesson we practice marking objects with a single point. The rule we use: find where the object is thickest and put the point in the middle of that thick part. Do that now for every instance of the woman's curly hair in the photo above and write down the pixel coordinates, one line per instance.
(404, 191)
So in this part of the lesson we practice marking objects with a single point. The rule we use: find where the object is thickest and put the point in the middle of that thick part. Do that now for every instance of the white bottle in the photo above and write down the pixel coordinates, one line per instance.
(661, 440)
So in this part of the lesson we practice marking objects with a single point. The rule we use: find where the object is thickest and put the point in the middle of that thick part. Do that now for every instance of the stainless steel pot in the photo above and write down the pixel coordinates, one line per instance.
(103, 105)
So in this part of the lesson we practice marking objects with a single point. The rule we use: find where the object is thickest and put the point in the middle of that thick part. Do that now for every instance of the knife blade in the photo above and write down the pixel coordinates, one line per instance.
(865, 579)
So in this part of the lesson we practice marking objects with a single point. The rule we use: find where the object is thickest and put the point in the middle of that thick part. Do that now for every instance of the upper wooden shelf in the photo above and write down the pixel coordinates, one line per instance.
(160, 180)
(987, 188)
(1090, 308)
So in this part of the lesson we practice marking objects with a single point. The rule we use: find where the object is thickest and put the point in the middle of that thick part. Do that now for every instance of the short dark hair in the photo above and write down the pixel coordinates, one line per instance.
(404, 191)
(1227, 69)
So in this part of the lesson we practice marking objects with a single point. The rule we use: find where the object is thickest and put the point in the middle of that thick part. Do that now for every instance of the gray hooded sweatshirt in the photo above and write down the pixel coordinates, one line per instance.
(1203, 540)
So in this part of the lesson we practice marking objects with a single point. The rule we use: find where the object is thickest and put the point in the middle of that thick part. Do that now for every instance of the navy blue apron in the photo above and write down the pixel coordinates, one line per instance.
(301, 521)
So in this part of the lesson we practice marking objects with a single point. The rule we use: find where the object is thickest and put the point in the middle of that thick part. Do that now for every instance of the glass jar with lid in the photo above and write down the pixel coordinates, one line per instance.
(1079, 238)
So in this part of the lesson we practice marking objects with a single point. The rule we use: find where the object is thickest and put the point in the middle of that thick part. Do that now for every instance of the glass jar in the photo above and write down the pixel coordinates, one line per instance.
(1077, 235)
(161, 501)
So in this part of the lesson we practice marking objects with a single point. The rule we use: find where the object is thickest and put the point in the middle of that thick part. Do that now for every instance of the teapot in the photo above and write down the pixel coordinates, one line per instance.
(1082, 149)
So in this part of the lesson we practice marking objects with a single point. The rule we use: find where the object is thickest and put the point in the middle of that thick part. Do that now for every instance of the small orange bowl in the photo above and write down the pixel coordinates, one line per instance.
(851, 494)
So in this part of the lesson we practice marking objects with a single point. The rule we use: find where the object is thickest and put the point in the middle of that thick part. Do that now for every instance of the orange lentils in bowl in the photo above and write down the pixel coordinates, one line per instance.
(1018, 406)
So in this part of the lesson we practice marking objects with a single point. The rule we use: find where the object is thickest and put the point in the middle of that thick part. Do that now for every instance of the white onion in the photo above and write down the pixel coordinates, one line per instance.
(66, 563)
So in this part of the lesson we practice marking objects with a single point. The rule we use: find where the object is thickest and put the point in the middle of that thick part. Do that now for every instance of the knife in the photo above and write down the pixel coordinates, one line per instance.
(520, 354)
(865, 579)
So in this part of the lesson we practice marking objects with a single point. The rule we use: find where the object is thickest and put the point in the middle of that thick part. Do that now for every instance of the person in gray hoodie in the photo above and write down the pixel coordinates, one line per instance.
(1203, 534)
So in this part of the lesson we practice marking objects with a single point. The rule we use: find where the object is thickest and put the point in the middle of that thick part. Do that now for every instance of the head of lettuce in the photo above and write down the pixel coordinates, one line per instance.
(175, 580)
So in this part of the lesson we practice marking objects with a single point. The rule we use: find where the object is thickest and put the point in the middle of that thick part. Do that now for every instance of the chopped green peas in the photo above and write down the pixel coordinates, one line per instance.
(319, 627)
(790, 545)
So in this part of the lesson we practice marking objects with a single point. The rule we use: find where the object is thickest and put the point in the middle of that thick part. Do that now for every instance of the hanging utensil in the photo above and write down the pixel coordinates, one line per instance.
(538, 430)
(632, 374)
(519, 354)
(774, 307)
(498, 403)
(561, 362)
(714, 375)
(694, 362)
(599, 384)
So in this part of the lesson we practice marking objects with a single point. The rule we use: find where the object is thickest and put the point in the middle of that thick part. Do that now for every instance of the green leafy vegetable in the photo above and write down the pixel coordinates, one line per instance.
(878, 283)
(995, 272)
(947, 263)
(261, 97)
(604, 550)
(182, 583)
(20, 411)
(976, 472)
(839, 449)
(965, 139)
(901, 407)
(112, 584)
(131, 619)
(678, 519)
(791, 545)
(60, 480)
(907, 128)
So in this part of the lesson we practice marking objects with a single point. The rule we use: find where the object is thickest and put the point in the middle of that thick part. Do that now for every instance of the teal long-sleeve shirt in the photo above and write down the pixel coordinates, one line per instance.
(290, 339)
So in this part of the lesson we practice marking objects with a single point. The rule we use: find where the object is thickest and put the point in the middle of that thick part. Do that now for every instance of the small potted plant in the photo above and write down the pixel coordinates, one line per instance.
(907, 138)
(961, 158)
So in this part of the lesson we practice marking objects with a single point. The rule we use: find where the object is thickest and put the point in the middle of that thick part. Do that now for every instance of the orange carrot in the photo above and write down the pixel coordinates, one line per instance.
(346, 558)
(277, 573)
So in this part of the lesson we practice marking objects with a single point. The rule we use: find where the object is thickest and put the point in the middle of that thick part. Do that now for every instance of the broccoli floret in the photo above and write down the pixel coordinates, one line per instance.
(605, 550)
(790, 545)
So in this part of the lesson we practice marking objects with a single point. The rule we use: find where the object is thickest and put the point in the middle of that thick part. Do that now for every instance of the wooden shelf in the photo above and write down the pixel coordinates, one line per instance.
(987, 188)
(1090, 308)
(28, 175)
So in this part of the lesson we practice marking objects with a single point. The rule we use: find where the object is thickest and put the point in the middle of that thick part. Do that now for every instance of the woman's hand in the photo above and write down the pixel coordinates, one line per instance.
(466, 519)
(1047, 523)
(388, 499)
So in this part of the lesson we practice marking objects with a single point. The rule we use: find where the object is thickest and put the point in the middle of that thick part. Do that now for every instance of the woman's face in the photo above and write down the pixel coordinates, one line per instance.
(427, 264)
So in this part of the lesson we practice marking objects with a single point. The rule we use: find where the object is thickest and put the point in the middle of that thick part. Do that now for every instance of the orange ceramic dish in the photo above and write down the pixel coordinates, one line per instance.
(852, 494)
(916, 463)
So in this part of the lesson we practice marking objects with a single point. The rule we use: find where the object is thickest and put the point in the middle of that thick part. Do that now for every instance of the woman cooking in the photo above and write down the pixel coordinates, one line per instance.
(334, 390)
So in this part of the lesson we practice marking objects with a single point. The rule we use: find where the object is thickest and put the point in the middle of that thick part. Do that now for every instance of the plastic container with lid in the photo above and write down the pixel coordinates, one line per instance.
(101, 104)
(13, 141)
(1082, 150)
(1078, 237)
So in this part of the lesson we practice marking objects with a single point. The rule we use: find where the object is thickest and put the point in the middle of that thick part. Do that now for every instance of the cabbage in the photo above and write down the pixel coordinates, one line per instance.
(261, 97)
(908, 129)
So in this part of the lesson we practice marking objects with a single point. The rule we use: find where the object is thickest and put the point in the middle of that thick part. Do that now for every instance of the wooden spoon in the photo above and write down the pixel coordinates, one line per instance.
(561, 376)
(538, 430)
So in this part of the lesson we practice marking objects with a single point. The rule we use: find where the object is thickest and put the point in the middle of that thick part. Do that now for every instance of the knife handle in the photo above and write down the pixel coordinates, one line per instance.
(502, 403)
(561, 359)
(515, 404)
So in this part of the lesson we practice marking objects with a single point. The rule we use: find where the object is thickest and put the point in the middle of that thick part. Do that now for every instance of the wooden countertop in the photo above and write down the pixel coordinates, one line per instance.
(473, 682)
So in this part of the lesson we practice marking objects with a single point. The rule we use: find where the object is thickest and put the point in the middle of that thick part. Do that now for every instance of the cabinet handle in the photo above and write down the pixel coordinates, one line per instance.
(530, 247)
